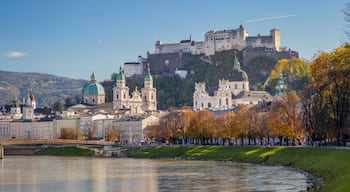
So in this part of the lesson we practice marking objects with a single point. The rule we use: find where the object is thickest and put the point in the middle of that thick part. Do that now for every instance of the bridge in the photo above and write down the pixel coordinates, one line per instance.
(23, 141)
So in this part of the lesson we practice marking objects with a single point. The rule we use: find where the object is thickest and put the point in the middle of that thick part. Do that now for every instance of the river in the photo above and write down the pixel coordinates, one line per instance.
(80, 174)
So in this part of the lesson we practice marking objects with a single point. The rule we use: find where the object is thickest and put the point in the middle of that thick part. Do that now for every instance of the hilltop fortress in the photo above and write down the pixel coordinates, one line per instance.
(168, 58)
(216, 40)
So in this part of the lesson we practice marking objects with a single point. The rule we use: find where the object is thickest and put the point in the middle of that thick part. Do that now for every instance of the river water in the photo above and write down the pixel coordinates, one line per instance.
(65, 174)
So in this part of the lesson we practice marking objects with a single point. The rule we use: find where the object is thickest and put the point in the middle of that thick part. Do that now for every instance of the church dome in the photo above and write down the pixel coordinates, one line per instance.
(93, 88)
(238, 76)
(237, 73)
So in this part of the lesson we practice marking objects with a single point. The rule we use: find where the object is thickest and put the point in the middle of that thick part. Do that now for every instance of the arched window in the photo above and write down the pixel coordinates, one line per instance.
(145, 98)
(124, 96)
(209, 105)
(235, 86)
(117, 96)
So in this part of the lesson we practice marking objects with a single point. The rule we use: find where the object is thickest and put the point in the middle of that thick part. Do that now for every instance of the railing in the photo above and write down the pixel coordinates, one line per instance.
(18, 141)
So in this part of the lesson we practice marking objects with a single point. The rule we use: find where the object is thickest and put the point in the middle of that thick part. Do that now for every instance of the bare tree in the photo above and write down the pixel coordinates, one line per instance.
(89, 131)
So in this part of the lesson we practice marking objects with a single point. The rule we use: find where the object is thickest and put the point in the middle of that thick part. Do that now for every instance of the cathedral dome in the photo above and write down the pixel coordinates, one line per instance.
(93, 88)
(237, 73)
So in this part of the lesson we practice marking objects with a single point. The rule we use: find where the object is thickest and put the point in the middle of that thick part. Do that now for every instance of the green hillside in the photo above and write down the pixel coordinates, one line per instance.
(46, 88)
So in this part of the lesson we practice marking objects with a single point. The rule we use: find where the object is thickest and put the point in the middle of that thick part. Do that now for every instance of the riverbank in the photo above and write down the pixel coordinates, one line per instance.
(65, 151)
(332, 165)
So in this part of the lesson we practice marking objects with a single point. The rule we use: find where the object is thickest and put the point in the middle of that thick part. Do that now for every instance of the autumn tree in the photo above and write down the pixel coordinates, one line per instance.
(112, 133)
(329, 93)
(69, 133)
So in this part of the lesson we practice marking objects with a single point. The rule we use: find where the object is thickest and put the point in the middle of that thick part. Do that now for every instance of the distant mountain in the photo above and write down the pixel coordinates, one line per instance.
(46, 88)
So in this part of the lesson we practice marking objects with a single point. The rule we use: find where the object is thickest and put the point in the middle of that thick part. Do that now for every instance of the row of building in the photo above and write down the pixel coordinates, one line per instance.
(129, 114)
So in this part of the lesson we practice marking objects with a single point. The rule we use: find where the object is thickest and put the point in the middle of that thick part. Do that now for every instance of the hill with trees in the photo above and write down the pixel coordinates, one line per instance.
(47, 88)
(262, 73)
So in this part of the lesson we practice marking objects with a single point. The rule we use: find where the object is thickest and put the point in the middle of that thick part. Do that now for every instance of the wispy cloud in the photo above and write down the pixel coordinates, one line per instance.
(15, 54)
(269, 18)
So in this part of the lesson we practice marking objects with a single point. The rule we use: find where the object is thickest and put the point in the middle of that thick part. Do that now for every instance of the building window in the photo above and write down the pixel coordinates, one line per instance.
(202, 105)
(93, 100)
(219, 102)
(227, 101)
(243, 86)
(152, 97)
(209, 105)
(145, 98)
(235, 86)
(124, 96)
(117, 96)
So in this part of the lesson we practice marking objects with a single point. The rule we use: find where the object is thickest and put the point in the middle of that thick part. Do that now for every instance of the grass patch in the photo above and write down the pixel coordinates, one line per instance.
(332, 165)
(65, 151)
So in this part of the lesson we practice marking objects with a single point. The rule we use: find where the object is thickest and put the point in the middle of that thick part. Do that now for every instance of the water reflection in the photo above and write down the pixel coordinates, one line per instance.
(34, 174)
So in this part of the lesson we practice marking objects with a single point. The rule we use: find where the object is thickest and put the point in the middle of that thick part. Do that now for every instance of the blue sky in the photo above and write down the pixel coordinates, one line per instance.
(74, 38)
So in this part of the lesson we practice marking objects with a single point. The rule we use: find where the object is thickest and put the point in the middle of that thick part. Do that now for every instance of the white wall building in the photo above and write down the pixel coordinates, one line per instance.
(32, 129)
(131, 128)
(134, 68)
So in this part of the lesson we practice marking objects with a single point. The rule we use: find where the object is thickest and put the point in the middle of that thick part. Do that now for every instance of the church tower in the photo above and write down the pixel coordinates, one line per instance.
(16, 109)
(28, 110)
(120, 92)
(281, 86)
(149, 93)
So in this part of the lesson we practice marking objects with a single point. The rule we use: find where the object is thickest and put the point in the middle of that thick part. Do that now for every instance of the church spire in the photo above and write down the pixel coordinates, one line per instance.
(148, 76)
(281, 86)
(121, 75)
(236, 64)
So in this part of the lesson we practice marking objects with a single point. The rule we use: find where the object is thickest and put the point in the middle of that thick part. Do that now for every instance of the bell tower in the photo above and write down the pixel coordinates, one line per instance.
(149, 93)
(120, 92)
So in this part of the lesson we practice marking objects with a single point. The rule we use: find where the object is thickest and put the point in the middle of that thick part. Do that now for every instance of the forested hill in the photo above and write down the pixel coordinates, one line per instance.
(46, 88)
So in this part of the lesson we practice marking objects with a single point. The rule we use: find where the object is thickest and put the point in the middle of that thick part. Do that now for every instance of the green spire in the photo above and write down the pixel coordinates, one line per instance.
(281, 86)
(121, 75)
(148, 76)
(236, 64)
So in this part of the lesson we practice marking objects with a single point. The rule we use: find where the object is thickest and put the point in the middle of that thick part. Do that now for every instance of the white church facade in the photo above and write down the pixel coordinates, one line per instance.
(139, 101)
(230, 93)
